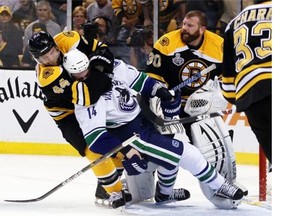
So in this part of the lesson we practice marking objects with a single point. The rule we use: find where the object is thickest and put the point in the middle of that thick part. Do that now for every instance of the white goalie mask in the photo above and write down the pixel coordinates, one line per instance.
(75, 61)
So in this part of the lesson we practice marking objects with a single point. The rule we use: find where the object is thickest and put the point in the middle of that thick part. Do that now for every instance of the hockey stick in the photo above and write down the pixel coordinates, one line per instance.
(99, 160)
(164, 122)
(195, 77)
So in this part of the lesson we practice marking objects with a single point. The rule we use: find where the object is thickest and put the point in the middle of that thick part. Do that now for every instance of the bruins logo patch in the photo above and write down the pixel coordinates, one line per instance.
(190, 69)
(47, 72)
(164, 41)
(68, 33)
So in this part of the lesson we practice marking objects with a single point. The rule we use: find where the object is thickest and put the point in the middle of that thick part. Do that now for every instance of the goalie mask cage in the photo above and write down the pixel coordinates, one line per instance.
(265, 178)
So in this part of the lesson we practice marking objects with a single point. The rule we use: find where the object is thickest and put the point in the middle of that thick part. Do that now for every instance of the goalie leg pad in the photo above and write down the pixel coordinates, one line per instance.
(142, 186)
(213, 140)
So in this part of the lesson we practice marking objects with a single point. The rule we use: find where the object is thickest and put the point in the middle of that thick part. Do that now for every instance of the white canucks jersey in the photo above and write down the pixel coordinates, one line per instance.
(116, 107)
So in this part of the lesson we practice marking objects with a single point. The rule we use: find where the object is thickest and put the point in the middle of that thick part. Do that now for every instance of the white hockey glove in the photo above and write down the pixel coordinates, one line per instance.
(207, 99)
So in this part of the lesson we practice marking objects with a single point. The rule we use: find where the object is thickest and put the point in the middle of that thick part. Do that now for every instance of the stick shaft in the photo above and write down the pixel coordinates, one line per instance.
(80, 172)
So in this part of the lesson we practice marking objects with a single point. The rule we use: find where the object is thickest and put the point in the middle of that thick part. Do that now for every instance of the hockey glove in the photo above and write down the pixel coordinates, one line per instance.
(173, 107)
(102, 59)
(135, 165)
(163, 93)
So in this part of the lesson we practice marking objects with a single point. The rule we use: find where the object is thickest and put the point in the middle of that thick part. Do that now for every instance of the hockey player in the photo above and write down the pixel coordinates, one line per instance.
(247, 69)
(179, 55)
(57, 86)
(182, 53)
(116, 116)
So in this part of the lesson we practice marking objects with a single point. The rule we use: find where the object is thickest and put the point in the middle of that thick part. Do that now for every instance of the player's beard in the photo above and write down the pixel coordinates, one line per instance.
(188, 38)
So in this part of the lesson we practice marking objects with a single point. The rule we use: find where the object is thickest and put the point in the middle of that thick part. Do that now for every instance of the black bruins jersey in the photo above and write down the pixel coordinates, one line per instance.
(247, 63)
(172, 61)
(128, 8)
(60, 89)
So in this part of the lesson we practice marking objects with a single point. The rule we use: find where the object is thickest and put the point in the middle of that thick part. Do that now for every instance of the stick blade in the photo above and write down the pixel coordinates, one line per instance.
(24, 201)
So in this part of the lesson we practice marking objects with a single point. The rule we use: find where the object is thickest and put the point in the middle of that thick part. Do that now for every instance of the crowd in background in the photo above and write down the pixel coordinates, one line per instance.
(125, 25)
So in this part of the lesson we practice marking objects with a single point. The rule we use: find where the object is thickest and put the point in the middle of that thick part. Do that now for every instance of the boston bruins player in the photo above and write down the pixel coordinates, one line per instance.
(59, 90)
(182, 53)
(179, 55)
(247, 69)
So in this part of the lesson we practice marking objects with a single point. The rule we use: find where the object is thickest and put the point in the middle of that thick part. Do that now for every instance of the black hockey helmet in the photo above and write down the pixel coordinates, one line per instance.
(40, 43)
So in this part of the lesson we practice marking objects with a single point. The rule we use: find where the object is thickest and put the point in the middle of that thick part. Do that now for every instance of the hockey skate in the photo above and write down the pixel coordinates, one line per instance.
(231, 191)
(102, 197)
(177, 195)
(118, 199)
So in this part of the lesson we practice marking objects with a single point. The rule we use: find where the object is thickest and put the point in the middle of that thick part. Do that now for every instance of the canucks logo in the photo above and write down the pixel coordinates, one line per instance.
(126, 102)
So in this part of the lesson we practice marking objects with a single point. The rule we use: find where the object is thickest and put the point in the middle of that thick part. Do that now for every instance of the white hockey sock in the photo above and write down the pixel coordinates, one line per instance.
(193, 161)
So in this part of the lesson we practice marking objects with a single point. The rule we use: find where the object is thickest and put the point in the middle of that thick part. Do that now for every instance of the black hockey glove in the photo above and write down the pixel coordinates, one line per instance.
(173, 107)
(135, 165)
(102, 59)
(163, 94)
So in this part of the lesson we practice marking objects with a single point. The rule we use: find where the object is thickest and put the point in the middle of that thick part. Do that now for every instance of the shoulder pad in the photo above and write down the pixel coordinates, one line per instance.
(47, 75)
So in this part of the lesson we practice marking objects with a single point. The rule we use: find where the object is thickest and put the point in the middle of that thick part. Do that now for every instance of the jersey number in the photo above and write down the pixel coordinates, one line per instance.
(241, 39)
(91, 111)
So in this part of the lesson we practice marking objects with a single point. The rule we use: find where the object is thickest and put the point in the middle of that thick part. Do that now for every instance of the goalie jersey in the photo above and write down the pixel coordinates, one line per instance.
(55, 82)
(247, 63)
(172, 61)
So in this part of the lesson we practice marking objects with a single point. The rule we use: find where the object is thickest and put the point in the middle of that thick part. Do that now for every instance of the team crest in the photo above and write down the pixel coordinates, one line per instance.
(177, 60)
(47, 72)
(190, 69)
(164, 41)
(68, 33)
(126, 102)
(130, 6)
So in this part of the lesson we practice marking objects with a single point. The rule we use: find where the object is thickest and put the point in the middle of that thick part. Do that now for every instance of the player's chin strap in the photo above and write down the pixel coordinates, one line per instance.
(80, 172)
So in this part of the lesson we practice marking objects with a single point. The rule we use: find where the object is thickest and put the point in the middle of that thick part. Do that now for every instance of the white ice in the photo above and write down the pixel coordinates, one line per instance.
(27, 177)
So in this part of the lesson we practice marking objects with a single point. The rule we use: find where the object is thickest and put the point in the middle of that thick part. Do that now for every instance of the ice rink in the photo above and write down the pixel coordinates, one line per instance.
(27, 177)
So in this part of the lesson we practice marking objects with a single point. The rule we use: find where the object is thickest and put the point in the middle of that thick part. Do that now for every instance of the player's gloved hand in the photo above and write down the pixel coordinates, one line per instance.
(163, 93)
(172, 107)
(135, 165)
(102, 59)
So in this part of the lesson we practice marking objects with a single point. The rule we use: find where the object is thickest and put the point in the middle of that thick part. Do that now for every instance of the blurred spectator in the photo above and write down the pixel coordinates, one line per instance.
(8, 57)
(43, 9)
(86, 3)
(171, 14)
(79, 17)
(59, 10)
(212, 8)
(12, 4)
(141, 42)
(27, 59)
(129, 14)
(105, 33)
(26, 14)
(11, 34)
(230, 10)
(100, 8)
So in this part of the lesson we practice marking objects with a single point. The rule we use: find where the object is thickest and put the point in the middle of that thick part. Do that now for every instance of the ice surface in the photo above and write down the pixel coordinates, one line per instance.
(27, 177)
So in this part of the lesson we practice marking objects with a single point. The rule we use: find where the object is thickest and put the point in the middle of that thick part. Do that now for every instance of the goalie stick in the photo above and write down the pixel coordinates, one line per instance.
(195, 77)
(164, 122)
(99, 160)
